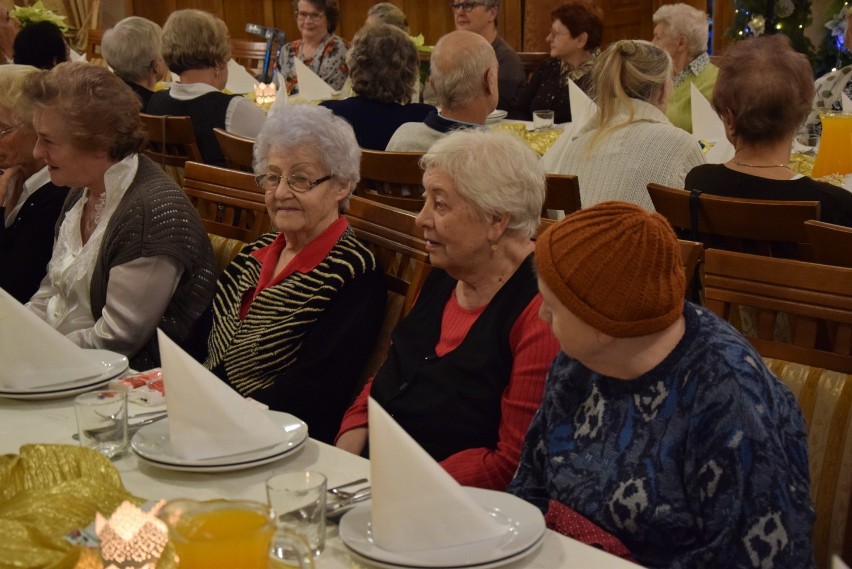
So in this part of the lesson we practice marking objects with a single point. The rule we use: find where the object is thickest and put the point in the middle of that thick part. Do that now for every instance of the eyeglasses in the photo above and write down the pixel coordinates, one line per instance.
(6, 131)
(312, 16)
(466, 6)
(270, 182)
(557, 33)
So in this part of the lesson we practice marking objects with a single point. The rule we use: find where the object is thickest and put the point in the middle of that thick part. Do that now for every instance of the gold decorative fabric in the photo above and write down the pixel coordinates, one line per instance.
(46, 492)
(825, 398)
(539, 140)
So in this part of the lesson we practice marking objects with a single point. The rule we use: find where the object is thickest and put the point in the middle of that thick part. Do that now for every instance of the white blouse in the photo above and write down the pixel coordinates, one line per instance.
(138, 291)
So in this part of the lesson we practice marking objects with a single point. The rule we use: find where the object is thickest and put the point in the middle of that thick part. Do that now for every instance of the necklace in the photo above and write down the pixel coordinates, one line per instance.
(738, 163)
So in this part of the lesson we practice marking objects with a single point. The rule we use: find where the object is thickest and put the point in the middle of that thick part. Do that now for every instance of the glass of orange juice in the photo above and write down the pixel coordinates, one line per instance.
(835, 146)
(225, 533)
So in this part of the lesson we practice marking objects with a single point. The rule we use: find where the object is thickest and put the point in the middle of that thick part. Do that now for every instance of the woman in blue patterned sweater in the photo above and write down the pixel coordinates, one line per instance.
(659, 421)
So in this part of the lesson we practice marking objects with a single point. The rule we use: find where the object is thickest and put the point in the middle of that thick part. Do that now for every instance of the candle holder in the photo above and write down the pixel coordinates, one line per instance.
(132, 538)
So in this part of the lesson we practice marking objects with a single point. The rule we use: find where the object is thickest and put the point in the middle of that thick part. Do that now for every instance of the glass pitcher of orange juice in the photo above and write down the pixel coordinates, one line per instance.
(229, 533)
(835, 145)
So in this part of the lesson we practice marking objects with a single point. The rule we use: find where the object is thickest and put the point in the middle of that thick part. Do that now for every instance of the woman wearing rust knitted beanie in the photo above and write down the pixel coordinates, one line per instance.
(659, 421)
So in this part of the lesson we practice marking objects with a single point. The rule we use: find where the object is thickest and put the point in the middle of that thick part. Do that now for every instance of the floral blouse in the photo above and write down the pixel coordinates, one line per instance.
(329, 62)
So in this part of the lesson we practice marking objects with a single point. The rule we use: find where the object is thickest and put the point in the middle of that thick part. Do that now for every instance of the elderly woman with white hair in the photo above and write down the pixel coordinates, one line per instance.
(297, 312)
(465, 371)
(132, 50)
(682, 30)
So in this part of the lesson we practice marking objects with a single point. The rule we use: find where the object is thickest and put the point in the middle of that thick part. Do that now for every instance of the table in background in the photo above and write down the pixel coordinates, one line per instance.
(53, 422)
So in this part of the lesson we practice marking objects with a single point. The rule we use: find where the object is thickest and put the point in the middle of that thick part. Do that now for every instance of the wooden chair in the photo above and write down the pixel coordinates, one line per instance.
(691, 253)
(832, 244)
(238, 150)
(250, 54)
(229, 202)
(531, 60)
(391, 178)
(763, 227)
(400, 249)
(563, 195)
(93, 47)
(171, 143)
(815, 298)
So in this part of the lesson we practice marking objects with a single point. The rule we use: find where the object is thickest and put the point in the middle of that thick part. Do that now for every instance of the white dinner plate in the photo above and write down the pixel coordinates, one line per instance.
(496, 115)
(367, 562)
(113, 365)
(152, 444)
(524, 528)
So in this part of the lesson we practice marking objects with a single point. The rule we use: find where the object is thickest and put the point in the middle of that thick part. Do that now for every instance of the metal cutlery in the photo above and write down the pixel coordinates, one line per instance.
(339, 507)
(337, 490)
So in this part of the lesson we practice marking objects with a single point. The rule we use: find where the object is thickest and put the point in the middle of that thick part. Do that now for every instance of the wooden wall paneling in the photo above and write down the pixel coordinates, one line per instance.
(432, 19)
(627, 19)
(237, 14)
(510, 23)
(537, 23)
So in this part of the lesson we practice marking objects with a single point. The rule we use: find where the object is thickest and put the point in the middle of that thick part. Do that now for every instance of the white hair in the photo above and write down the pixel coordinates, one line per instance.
(496, 172)
(131, 47)
(684, 20)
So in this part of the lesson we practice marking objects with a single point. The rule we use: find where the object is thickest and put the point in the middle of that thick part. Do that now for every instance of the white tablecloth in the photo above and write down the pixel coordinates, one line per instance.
(23, 422)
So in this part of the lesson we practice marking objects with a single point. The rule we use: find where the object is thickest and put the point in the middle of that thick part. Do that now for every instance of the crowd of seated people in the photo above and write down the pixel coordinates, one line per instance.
(564, 367)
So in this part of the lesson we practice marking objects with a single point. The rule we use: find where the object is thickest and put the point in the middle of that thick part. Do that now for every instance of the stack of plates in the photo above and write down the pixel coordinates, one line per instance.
(524, 532)
(496, 115)
(113, 366)
(152, 444)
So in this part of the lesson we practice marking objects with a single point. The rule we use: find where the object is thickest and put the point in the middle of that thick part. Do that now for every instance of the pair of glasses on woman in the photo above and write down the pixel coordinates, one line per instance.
(7, 130)
(270, 182)
(312, 16)
(466, 6)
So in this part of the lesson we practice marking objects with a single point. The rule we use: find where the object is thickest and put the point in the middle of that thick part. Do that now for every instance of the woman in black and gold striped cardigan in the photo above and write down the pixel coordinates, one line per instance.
(296, 313)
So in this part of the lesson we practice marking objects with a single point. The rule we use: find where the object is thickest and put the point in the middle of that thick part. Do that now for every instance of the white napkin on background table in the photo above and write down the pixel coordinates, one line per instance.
(708, 127)
(280, 94)
(311, 85)
(416, 505)
(208, 419)
(846, 103)
(582, 110)
(240, 81)
(34, 354)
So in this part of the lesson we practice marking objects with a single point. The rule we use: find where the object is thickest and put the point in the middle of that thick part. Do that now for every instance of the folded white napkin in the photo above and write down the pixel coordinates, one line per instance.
(708, 127)
(34, 354)
(239, 80)
(416, 505)
(208, 419)
(311, 86)
(846, 103)
(582, 109)
(280, 94)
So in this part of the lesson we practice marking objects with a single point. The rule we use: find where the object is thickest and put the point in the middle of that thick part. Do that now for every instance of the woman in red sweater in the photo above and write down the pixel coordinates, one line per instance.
(466, 369)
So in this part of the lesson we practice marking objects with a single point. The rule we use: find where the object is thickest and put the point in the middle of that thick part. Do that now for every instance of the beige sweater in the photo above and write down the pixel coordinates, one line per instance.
(625, 161)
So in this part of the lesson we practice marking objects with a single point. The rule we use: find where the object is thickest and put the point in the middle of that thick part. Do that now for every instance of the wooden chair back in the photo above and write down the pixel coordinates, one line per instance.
(250, 54)
(238, 150)
(391, 178)
(171, 142)
(531, 61)
(832, 244)
(229, 202)
(762, 227)
(817, 302)
(563, 195)
(400, 250)
(93, 47)
(691, 253)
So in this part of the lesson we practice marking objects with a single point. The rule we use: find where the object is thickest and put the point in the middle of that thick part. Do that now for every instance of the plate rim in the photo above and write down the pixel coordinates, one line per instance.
(222, 467)
(49, 392)
(195, 465)
(483, 496)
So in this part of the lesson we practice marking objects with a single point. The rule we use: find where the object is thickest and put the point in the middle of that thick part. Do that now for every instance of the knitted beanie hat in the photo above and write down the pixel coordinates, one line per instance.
(616, 267)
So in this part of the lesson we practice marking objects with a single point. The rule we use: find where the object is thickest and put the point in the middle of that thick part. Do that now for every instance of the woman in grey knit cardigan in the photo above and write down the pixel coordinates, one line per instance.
(131, 253)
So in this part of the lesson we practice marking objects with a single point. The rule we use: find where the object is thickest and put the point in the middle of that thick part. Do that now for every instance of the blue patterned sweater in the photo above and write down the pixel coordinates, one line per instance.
(701, 462)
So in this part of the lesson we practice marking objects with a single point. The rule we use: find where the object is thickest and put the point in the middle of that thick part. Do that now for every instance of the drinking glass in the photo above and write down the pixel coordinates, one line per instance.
(835, 146)
(542, 120)
(228, 533)
(298, 499)
(102, 421)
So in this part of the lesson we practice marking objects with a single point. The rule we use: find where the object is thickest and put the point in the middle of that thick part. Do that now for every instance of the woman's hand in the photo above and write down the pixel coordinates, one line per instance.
(353, 441)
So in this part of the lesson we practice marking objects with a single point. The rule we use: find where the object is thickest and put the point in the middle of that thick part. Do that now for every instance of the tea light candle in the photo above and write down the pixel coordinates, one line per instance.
(264, 93)
(132, 538)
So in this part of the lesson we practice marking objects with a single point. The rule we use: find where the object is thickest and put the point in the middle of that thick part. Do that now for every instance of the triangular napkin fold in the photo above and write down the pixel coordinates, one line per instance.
(208, 419)
(34, 354)
(239, 80)
(846, 103)
(708, 127)
(582, 111)
(416, 505)
(311, 86)
(280, 94)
